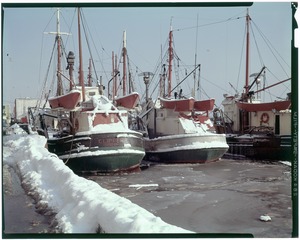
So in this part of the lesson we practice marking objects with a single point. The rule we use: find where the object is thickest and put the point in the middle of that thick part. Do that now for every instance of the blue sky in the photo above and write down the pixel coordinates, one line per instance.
(220, 45)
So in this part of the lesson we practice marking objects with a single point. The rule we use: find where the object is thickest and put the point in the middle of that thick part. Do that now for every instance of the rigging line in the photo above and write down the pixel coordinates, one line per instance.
(269, 42)
(208, 24)
(156, 69)
(158, 66)
(185, 78)
(69, 26)
(63, 48)
(243, 45)
(196, 49)
(273, 74)
(41, 55)
(39, 76)
(152, 79)
(76, 50)
(260, 57)
(101, 62)
(54, 13)
(218, 86)
(155, 88)
(108, 55)
(205, 93)
(130, 79)
(270, 46)
(47, 73)
(137, 67)
(175, 55)
(286, 87)
(87, 41)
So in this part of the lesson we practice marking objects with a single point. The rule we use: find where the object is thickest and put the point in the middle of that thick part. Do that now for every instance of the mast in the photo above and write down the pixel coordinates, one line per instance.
(113, 76)
(71, 60)
(90, 73)
(194, 92)
(244, 114)
(124, 63)
(59, 90)
(247, 53)
(161, 93)
(116, 76)
(81, 80)
(58, 39)
(170, 62)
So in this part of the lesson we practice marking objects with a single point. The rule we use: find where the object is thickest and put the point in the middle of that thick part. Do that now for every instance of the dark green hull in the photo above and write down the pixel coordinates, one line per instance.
(187, 156)
(101, 152)
(105, 163)
(186, 148)
(259, 147)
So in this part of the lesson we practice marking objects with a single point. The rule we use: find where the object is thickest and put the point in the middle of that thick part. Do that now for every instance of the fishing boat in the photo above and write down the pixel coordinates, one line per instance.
(98, 139)
(93, 136)
(175, 133)
(177, 139)
(255, 129)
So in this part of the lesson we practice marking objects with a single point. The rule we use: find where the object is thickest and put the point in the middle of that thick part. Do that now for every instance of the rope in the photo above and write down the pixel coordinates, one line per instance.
(260, 57)
(242, 53)
(96, 49)
(273, 49)
(208, 24)
(70, 150)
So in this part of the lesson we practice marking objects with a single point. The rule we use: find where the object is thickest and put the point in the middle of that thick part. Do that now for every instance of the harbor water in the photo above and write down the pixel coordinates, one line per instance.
(226, 196)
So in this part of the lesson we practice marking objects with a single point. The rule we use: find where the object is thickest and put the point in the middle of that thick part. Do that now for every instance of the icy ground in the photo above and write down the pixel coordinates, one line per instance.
(81, 205)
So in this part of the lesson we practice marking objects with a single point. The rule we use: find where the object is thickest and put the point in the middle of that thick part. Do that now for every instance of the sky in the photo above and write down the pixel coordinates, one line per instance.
(80, 205)
(215, 36)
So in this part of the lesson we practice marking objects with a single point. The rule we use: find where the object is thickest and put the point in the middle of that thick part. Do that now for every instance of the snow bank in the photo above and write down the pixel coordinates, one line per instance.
(81, 205)
(15, 129)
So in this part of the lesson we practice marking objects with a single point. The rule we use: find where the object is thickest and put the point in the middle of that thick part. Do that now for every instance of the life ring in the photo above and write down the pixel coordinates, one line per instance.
(265, 118)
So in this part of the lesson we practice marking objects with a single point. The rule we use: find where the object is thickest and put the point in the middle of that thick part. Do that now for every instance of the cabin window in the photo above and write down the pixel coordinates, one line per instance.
(277, 124)
(91, 94)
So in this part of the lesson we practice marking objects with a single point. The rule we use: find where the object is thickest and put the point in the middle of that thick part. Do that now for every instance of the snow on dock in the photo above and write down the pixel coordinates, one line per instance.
(81, 205)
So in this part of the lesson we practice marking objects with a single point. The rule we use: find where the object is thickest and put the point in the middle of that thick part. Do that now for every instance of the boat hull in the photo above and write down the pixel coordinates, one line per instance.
(108, 163)
(262, 147)
(186, 156)
(270, 106)
(187, 148)
(101, 152)
(204, 105)
(67, 101)
(129, 101)
(178, 105)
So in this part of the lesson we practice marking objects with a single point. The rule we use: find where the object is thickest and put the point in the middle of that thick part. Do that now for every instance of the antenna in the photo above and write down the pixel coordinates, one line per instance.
(58, 32)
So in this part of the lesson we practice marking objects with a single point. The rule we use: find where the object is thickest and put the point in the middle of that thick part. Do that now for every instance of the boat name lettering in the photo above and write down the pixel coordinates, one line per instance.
(109, 141)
